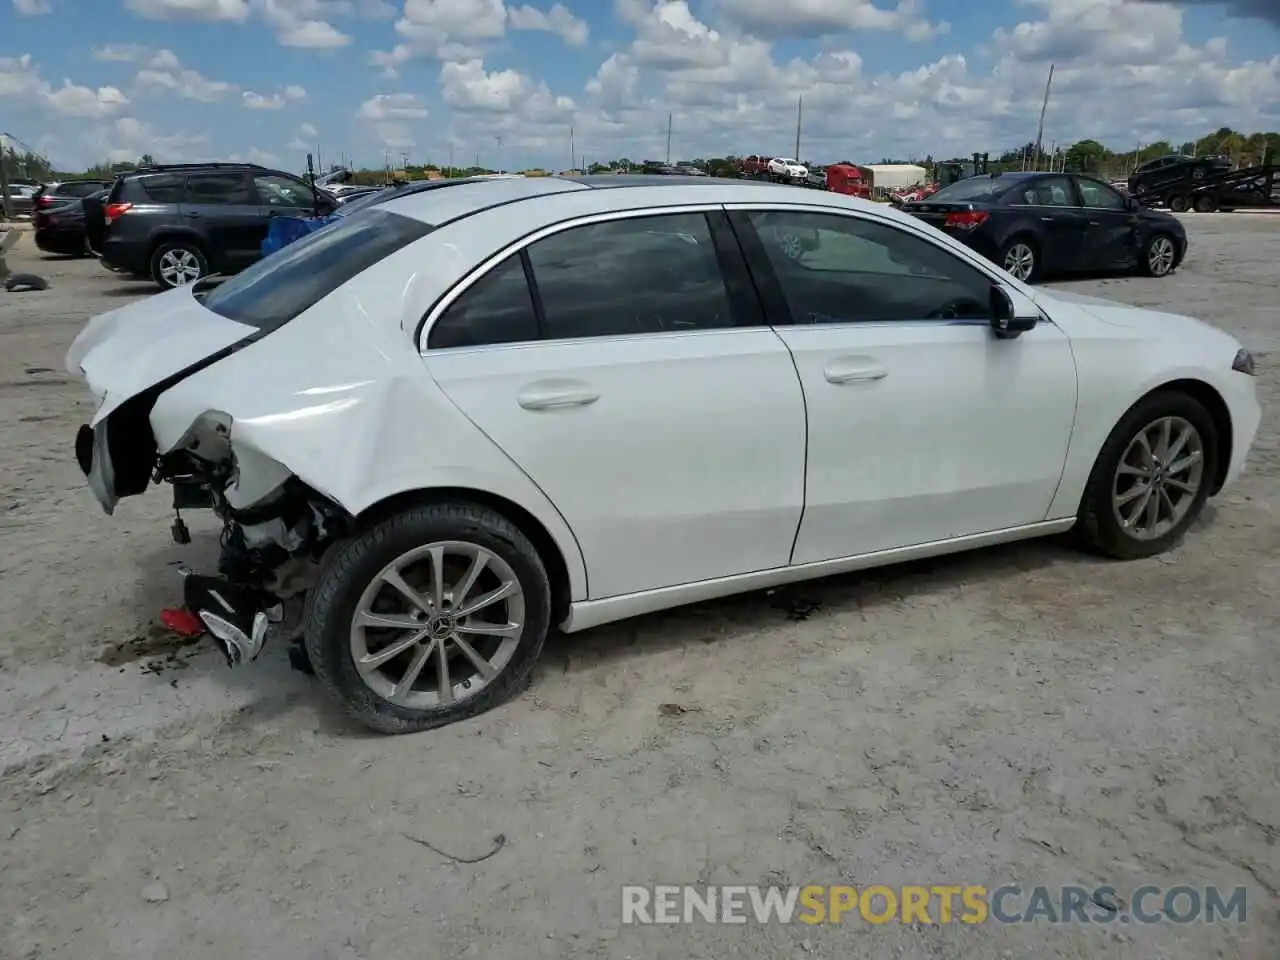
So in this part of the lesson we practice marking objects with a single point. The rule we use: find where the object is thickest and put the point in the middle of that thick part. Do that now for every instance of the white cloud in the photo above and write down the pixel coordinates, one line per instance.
(162, 72)
(815, 18)
(33, 8)
(274, 101)
(558, 20)
(128, 138)
(20, 78)
(392, 106)
(211, 10)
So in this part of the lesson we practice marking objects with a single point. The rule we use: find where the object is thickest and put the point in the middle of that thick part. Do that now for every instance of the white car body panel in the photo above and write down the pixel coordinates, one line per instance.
(717, 491)
(648, 505)
(786, 167)
(941, 431)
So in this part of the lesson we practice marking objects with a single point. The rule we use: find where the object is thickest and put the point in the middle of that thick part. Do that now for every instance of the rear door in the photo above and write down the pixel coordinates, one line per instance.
(1053, 202)
(640, 389)
(222, 208)
(1114, 236)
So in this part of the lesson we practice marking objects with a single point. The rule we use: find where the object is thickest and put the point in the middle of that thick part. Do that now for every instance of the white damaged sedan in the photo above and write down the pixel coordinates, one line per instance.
(460, 418)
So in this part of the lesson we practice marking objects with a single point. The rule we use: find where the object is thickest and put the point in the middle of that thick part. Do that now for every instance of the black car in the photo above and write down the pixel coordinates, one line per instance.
(1168, 178)
(61, 229)
(178, 223)
(1036, 224)
(58, 192)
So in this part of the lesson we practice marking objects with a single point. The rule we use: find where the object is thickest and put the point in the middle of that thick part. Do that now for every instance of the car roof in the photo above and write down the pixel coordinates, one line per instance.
(601, 193)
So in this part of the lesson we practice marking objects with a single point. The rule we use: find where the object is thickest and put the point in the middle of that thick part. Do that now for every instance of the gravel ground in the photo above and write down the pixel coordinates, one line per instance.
(1021, 715)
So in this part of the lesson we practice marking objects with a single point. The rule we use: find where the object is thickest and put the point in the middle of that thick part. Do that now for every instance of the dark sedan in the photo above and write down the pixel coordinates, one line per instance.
(1037, 224)
(60, 229)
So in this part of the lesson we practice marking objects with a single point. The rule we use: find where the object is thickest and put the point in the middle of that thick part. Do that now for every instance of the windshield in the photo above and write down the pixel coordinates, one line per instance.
(975, 188)
(279, 287)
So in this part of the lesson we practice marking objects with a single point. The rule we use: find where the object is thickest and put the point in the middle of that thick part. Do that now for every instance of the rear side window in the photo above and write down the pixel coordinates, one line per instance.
(219, 188)
(163, 188)
(277, 288)
(497, 308)
(78, 189)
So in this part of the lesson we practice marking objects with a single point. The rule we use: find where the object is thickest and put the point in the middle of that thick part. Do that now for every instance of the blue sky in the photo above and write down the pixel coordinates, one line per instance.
(83, 80)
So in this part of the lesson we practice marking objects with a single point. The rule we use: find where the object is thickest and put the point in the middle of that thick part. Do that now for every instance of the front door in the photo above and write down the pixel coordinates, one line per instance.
(667, 430)
(1113, 238)
(222, 209)
(922, 425)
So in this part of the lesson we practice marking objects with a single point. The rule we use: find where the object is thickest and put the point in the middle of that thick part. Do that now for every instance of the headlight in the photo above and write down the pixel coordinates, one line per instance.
(1243, 363)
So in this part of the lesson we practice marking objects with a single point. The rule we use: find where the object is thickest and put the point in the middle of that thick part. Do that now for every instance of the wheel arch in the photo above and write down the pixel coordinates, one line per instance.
(167, 234)
(1212, 401)
(553, 557)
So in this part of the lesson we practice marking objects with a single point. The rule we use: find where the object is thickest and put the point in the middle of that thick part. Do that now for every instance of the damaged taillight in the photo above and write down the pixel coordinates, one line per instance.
(114, 211)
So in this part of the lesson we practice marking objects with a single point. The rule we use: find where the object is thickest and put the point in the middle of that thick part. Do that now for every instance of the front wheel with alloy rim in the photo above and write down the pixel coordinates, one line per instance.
(1019, 258)
(176, 263)
(1159, 255)
(436, 614)
(1151, 479)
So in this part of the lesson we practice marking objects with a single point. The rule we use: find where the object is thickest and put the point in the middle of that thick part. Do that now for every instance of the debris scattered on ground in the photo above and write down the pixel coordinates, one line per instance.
(155, 893)
(677, 709)
(160, 647)
(499, 842)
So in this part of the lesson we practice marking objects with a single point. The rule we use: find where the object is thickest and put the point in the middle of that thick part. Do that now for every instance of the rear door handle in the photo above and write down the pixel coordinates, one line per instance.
(556, 395)
(192, 215)
(853, 370)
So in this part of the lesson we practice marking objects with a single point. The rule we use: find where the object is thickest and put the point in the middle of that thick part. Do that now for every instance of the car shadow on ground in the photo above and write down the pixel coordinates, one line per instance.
(273, 686)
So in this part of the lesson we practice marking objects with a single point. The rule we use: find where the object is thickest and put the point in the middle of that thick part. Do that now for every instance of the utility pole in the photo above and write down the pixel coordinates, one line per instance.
(573, 152)
(668, 138)
(1043, 107)
(799, 114)
(449, 173)
(4, 182)
(499, 139)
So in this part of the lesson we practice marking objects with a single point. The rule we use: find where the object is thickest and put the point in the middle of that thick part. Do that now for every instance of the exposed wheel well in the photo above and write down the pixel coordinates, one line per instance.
(529, 525)
(186, 238)
(1212, 401)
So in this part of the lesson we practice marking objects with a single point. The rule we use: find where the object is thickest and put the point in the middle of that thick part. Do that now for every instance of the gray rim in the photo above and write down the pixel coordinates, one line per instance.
(1020, 261)
(179, 267)
(437, 625)
(1160, 256)
(1158, 478)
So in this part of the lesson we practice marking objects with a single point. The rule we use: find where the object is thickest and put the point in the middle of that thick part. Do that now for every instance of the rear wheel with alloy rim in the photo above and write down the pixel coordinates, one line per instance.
(1152, 478)
(1159, 256)
(434, 615)
(1019, 258)
(176, 263)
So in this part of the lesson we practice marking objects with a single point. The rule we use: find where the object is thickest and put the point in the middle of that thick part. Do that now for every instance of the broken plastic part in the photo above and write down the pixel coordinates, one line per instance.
(182, 621)
(238, 646)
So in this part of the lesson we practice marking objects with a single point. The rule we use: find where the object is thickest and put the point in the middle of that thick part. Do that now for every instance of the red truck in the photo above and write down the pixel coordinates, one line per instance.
(755, 168)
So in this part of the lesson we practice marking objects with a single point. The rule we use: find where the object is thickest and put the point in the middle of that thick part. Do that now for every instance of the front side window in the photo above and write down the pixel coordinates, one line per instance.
(279, 287)
(277, 191)
(218, 188)
(974, 188)
(497, 308)
(836, 269)
(1099, 195)
(655, 274)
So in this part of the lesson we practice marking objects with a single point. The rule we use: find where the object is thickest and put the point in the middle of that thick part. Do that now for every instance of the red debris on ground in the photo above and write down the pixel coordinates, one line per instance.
(182, 621)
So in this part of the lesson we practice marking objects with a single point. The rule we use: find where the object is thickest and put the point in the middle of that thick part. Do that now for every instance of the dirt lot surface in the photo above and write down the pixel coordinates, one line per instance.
(1024, 715)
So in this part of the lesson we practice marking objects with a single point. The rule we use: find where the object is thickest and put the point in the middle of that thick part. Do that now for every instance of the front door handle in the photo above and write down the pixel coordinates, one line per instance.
(556, 395)
(192, 215)
(853, 370)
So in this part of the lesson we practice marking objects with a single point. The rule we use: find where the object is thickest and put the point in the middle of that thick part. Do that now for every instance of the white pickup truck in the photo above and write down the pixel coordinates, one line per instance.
(782, 168)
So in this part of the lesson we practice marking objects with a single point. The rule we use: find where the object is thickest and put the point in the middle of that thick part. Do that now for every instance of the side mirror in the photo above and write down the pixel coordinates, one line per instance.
(1012, 314)
(1132, 205)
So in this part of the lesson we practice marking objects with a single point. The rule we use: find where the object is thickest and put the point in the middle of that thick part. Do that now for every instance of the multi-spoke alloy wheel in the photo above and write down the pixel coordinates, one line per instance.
(1160, 256)
(1151, 478)
(177, 263)
(1020, 260)
(1158, 478)
(437, 625)
(433, 615)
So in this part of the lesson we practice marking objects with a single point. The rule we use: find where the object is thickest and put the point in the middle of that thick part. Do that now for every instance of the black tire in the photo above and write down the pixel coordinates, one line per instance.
(1098, 527)
(1027, 242)
(187, 250)
(1179, 202)
(351, 566)
(1205, 204)
(1150, 265)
